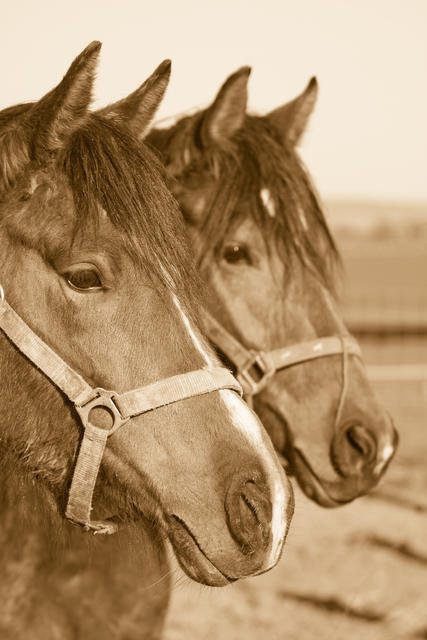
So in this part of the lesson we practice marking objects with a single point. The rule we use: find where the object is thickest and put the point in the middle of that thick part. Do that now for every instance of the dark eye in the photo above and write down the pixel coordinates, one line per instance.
(236, 253)
(84, 279)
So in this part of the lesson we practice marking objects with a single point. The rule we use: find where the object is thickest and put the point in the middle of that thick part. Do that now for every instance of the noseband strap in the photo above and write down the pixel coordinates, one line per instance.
(254, 369)
(120, 408)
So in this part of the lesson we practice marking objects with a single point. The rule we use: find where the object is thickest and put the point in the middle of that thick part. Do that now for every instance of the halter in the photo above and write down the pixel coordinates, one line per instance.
(121, 407)
(254, 369)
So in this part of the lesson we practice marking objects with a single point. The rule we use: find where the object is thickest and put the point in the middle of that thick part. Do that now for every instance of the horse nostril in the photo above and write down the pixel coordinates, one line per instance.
(249, 512)
(354, 450)
(362, 441)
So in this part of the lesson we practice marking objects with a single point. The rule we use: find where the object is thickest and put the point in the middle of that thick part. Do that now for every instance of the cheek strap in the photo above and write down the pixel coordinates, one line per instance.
(120, 408)
(254, 369)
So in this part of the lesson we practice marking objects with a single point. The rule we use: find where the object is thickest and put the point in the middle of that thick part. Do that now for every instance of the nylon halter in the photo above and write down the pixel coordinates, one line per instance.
(254, 369)
(121, 407)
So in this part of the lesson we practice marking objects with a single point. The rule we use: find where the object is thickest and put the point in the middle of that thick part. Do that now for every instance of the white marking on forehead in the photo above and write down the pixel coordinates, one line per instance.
(186, 156)
(199, 205)
(268, 202)
(248, 424)
(34, 183)
(194, 338)
(302, 218)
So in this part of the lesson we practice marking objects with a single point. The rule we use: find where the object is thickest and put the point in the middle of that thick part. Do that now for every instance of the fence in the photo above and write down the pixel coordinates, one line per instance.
(391, 326)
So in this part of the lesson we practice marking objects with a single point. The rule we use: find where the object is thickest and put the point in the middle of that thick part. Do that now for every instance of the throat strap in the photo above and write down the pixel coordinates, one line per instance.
(119, 407)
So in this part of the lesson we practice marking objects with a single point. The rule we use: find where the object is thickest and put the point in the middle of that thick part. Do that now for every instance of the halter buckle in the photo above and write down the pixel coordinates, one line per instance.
(103, 399)
(255, 374)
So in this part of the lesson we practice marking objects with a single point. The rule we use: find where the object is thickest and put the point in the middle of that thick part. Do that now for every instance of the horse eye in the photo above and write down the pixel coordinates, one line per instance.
(236, 254)
(86, 279)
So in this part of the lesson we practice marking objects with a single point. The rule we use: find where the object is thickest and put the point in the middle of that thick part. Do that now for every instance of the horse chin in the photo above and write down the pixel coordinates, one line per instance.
(313, 487)
(191, 557)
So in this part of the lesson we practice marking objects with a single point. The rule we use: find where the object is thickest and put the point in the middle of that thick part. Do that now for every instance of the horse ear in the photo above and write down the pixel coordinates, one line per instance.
(53, 118)
(226, 114)
(42, 127)
(291, 118)
(138, 109)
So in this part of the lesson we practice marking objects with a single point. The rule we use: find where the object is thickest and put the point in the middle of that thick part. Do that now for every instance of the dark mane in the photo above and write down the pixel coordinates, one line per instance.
(128, 182)
(105, 167)
(257, 159)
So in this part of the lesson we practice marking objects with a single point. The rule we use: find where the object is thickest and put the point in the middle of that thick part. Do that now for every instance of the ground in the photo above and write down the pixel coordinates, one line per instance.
(358, 572)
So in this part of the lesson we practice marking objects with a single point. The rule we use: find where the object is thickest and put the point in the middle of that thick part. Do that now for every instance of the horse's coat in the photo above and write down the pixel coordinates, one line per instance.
(263, 245)
(93, 260)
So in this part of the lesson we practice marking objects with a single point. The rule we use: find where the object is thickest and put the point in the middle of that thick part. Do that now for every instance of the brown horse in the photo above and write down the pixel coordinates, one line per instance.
(96, 293)
(263, 246)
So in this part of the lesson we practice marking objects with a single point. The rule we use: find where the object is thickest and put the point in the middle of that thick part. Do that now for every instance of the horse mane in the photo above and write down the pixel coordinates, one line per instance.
(105, 167)
(256, 159)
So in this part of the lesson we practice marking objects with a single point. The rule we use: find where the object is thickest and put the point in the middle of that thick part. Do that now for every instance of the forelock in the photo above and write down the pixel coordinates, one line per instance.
(258, 175)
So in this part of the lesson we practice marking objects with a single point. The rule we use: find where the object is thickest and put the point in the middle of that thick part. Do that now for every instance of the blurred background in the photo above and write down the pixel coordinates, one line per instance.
(360, 571)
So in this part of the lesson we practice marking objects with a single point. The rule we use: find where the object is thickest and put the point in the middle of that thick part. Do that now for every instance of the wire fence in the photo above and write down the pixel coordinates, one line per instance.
(392, 330)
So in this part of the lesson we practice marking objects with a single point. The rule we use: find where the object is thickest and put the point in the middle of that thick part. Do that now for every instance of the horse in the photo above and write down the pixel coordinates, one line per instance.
(97, 294)
(263, 246)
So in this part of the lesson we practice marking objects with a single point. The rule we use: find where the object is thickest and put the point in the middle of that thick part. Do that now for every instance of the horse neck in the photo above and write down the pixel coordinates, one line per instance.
(70, 578)
(27, 538)
(56, 579)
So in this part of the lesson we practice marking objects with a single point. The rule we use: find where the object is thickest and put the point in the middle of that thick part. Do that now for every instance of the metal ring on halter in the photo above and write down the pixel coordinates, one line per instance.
(255, 374)
(102, 399)
(1, 293)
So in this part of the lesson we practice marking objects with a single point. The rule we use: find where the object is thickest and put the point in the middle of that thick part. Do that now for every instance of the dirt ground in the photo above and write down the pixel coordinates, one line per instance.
(354, 573)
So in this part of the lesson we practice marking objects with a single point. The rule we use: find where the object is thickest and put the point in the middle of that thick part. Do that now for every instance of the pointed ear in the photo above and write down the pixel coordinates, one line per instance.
(226, 114)
(291, 118)
(42, 127)
(53, 118)
(139, 108)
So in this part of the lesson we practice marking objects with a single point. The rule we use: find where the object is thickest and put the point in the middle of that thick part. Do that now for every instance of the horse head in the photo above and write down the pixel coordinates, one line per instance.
(264, 248)
(94, 266)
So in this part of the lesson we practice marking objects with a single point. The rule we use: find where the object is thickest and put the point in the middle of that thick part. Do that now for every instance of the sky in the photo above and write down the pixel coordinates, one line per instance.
(367, 137)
